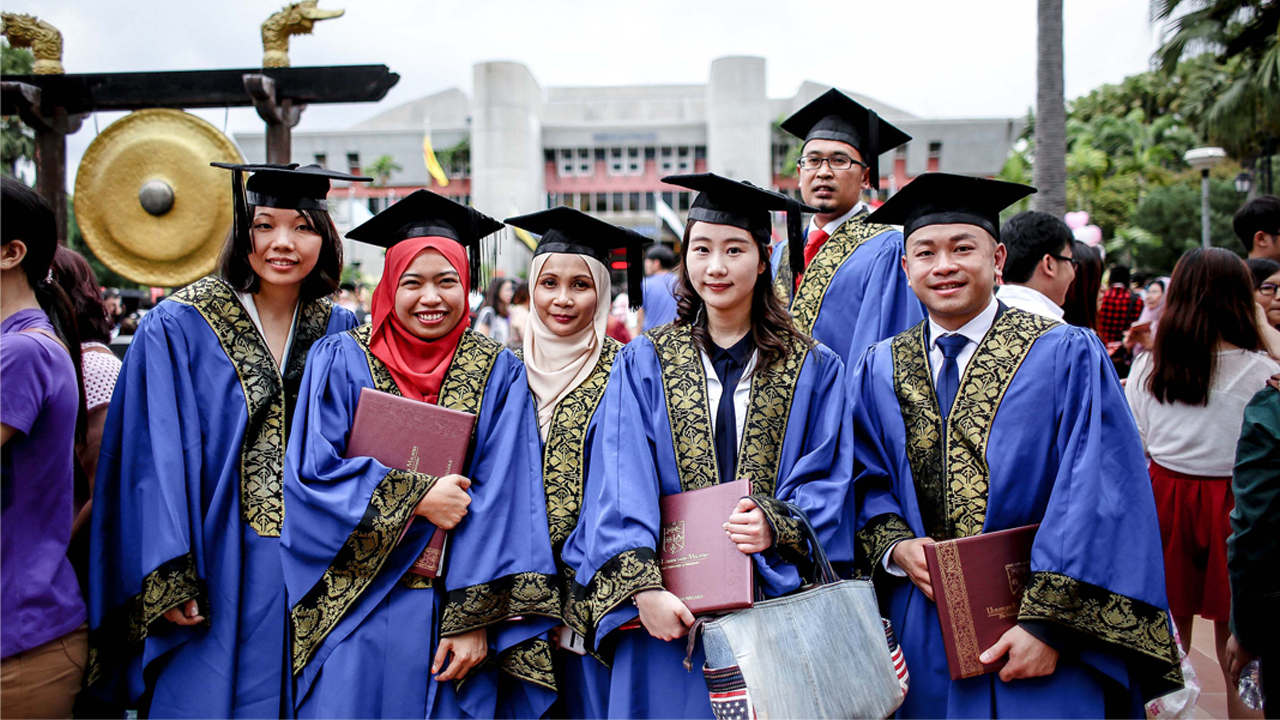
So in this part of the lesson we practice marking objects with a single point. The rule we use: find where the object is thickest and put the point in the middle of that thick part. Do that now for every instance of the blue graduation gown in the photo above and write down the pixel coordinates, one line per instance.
(188, 504)
(363, 633)
(854, 292)
(1039, 433)
(795, 447)
(581, 680)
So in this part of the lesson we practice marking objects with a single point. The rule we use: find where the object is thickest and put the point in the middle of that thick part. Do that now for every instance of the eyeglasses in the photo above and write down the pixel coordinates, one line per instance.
(1074, 262)
(1268, 289)
(835, 162)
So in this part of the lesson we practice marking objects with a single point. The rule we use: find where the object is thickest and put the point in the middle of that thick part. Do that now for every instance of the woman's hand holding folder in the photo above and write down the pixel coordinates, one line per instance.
(445, 504)
(662, 614)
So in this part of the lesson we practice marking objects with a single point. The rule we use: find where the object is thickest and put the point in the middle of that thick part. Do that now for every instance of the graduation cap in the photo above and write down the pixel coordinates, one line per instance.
(836, 116)
(942, 198)
(423, 213)
(565, 230)
(722, 201)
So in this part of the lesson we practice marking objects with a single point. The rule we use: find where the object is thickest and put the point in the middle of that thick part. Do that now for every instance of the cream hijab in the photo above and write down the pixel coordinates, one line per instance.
(557, 365)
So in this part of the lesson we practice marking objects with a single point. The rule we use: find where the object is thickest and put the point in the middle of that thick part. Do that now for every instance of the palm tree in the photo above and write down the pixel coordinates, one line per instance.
(382, 169)
(1051, 119)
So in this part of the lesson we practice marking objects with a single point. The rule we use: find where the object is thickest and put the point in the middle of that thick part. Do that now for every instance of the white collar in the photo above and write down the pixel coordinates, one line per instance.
(974, 330)
(1030, 299)
(831, 227)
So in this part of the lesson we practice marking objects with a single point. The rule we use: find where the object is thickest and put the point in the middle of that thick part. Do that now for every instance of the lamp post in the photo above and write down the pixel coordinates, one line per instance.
(1244, 183)
(1204, 159)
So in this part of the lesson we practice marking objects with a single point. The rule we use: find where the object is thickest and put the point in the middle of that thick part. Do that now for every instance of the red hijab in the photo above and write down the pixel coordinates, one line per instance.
(418, 366)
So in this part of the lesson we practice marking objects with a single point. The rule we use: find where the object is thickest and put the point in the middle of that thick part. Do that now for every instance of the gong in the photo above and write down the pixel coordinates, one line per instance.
(148, 203)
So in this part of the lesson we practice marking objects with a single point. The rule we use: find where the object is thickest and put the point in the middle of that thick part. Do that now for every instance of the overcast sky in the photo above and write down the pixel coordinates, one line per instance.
(933, 58)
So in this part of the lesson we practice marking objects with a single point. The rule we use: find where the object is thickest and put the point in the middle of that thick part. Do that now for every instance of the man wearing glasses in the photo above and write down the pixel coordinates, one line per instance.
(853, 292)
(1039, 268)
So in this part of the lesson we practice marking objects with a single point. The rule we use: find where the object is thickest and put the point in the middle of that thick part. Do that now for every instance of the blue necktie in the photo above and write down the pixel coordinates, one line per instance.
(949, 380)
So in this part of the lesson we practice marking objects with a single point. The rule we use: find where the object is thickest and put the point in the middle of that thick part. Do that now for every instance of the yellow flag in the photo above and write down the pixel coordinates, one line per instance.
(433, 165)
(525, 238)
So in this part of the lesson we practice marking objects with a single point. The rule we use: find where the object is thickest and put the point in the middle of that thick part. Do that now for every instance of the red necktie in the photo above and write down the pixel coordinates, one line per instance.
(811, 247)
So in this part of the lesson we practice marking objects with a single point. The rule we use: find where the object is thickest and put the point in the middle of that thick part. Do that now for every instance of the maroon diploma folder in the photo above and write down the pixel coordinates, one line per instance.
(977, 585)
(410, 435)
(700, 564)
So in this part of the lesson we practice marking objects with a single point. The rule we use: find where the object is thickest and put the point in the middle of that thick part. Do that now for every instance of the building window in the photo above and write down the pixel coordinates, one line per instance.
(584, 202)
(566, 163)
(585, 167)
(353, 163)
(616, 202)
(634, 166)
(633, 202)
(602, 202)
(322, 160)
(684, 201)
(648, 202)
(669, 198)
(935, 149)
(615, 161)
(667, 162)
(684, 162)
(650, 153)
(700, 152)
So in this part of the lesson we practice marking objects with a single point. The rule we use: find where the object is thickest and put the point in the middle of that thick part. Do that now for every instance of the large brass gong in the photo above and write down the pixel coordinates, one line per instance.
(147, 202)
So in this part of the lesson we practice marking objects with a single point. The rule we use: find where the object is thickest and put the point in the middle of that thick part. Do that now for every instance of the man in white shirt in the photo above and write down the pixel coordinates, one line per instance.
(1038, 267)
(984, 418)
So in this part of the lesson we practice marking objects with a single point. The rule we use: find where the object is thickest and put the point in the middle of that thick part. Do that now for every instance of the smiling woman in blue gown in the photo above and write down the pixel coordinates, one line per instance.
(370, 640)
(186, 599)
(728, 391)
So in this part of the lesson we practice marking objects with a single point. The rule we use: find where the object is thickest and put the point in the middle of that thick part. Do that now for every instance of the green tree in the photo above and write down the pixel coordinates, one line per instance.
(1170, 215)
(382, 169)
(17, 141)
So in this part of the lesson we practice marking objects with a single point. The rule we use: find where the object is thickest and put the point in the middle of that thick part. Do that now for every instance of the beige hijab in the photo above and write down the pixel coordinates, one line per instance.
(557, 365)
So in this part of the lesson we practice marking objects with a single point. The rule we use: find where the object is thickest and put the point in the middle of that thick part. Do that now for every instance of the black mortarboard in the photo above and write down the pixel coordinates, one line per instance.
(423, 213)
(565, 230)
(722, 201)
(942, 198)
(836, 116)
(279, 186)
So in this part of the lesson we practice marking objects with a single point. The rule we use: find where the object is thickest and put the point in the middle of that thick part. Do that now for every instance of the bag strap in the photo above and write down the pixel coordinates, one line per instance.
(693, 641)
(825, 573)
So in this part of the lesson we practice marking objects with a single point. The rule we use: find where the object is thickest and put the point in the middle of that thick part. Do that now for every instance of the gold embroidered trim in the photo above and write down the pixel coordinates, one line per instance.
(168, 586)
(464, 383)
(1133, 625)
(357, 561)
(877, 537)
(264, 389)
(788, 537)
(531, 662)
(684, 383)
(957, 593)
(951, 476)
(622, 576)
(835, 252)
(564, 457)
(521, 594)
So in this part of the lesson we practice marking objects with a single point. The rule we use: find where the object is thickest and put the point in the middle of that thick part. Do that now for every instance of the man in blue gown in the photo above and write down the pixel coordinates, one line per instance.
(987, 418)
(844, 284)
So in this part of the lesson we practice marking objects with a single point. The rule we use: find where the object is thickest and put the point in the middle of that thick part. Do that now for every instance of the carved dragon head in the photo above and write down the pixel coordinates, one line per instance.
(296, 19)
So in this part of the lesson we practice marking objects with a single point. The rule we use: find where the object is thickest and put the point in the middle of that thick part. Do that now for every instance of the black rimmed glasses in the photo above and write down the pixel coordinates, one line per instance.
(835, 162)
(1074, 262)
(1268, 289)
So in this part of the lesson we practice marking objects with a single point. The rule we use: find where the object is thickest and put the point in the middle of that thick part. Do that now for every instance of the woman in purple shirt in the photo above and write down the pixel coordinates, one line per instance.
(43, 631)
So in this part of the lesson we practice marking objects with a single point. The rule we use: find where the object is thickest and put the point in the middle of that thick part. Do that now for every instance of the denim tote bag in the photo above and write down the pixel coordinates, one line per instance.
(821, 652)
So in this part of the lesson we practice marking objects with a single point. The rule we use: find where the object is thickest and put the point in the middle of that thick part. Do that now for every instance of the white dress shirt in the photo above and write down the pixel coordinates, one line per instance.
(974, 331)
(1028, 298)
(741, 394)
(251, 307)
(831, 227)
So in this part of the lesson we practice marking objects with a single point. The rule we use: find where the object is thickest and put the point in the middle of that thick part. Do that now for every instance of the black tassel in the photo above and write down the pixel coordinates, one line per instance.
(795, 236)
(240, 214)
(635, 275)
(873, 148)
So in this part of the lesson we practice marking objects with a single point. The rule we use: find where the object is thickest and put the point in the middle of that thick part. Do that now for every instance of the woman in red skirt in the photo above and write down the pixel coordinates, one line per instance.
(1188, 396)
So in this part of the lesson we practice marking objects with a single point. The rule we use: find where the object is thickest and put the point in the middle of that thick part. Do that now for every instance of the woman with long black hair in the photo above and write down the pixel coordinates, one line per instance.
(186, 592)
(44, 634)
(730, 390)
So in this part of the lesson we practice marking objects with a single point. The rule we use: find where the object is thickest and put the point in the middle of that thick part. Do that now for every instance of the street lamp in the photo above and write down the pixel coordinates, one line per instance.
(1204, 159)
(1244, 183)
